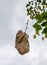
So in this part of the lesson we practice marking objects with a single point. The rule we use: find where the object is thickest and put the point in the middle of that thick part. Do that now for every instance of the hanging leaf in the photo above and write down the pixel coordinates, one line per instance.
(34, 36)
(45, 35)
(39, 7)
(29, 2)
(44, 1)
(27, 5)
(46, 4)
(21, 42)
(39, 18)
(46, 24)
(31, 7)
(37, 32)
(44, 15)
(44, 31)
(43, 38)
(28, 12)
(43, 24)
(31, 17)
(39, 1)
(37, 27)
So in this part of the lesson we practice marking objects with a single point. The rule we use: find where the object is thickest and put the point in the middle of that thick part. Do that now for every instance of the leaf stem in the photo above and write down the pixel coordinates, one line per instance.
(26, 26)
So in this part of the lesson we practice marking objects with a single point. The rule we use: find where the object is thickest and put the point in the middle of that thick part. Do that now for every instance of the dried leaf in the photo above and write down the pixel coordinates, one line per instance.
(22, 43)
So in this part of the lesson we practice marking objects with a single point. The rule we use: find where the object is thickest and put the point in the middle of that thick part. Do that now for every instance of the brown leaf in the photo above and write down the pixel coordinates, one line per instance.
(21, 42)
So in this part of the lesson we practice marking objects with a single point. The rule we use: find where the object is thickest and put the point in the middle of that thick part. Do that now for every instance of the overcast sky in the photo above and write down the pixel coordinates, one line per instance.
(12, 18)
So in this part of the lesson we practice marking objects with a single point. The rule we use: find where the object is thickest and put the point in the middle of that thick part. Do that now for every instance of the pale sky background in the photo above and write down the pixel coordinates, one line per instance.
(12, 18)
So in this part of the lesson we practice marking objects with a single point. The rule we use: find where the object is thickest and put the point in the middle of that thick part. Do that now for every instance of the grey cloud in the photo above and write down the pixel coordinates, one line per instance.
(44, 62)
(12, 18)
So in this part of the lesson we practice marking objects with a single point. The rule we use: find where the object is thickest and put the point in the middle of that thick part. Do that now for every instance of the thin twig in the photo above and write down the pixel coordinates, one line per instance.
(26, 26)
